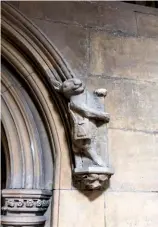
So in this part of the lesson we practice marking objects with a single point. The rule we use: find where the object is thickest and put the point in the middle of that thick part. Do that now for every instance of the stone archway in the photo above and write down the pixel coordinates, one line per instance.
(33, 113)
(30, 118)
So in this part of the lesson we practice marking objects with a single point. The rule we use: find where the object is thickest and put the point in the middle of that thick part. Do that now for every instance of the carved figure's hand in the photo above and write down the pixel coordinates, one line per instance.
(101, 92)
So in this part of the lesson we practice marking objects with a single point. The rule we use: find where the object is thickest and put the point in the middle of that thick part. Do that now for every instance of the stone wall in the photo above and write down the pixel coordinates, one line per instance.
(112, 45)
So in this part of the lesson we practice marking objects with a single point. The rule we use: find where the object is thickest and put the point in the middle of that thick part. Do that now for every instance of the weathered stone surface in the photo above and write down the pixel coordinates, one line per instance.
(3, 88)
(136, 8)
(32, 9)
(147, 24)
(62, 161)
(131, 209)
(125, 57)
(71, 41)
(54, 209)
(65, 165)
(88, 133)
(103, 15)
(77, 210)
(8, 79)
(30, 204)
(131, 105)
(14, 3)
(135, 158)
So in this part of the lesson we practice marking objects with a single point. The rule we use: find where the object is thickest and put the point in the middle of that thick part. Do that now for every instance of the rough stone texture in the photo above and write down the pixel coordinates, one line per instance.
(15, 4)
(126, 57)
(88, 133)
(30, 204)
(131, 209)
(89, 14)
(147, 24)
(132, 105)
(65, 165)
(126, 51)
(77, 210)
(135, 157)
(71, 41)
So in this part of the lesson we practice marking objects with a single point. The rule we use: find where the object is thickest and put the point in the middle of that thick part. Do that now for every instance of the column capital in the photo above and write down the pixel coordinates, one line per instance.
(24, 207)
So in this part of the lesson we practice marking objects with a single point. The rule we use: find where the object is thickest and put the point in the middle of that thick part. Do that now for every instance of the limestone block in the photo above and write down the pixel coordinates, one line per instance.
(147, 24)
(32, 9)
(65, 169)
(71, 41)
(104, 15)
(78, 210)
(54, 209)
(131, 105)
(126, 57)
(135, 158)
(131, 209)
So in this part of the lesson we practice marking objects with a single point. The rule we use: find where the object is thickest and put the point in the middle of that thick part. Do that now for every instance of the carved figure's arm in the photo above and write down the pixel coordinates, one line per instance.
(89, 112)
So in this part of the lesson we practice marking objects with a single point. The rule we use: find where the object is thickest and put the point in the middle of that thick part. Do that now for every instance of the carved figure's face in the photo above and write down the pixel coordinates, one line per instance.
(95, 181)
(72, 87)
(91, 181)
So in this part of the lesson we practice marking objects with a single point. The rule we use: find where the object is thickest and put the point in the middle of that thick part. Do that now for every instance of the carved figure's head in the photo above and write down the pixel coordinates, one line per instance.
(91, 181)
(95, 181)
(72, 87)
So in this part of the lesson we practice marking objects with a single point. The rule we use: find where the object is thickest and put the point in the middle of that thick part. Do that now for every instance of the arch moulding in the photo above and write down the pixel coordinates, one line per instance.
(40, 94)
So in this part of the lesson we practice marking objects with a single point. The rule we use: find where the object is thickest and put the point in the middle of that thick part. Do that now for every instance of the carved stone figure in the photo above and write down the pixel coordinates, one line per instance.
(89, 133)
(86, 115)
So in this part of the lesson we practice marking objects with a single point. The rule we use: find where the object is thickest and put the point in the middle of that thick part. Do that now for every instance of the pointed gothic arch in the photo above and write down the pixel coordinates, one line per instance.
(30, 118)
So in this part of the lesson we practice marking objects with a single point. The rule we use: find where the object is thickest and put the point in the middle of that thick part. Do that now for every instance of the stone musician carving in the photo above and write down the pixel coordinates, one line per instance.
(88, 120)
(84, 116)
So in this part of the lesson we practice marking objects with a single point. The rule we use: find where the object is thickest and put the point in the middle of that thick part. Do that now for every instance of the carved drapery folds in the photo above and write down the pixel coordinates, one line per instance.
(34, 78)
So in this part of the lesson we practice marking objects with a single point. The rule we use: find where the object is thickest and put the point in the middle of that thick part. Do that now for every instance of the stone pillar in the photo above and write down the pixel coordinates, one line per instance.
(24, 207)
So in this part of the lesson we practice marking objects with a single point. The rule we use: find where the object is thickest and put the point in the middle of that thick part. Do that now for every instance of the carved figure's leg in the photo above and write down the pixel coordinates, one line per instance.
(92, 148)
(89, 148)
(92, 153)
